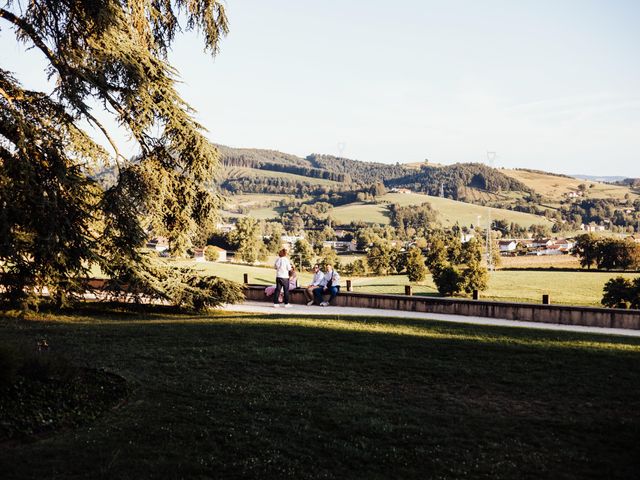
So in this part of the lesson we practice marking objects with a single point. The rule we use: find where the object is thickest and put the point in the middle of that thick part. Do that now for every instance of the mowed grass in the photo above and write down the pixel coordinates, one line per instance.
(570, 288)
(244, 396)
(245, 172)
(556, 188)
(564, 287)
(450, 211)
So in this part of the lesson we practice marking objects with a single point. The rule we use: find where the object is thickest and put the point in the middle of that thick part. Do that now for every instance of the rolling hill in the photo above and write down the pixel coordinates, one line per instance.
(557, 187)
(449, 211)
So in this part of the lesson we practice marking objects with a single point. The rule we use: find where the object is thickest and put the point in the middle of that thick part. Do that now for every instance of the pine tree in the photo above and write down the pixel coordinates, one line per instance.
(55, 219)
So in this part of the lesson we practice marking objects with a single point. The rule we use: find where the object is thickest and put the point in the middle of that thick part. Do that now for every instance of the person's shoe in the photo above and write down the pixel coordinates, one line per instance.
(276, 305)
(324, 304)
(287, 305)
(310, 302)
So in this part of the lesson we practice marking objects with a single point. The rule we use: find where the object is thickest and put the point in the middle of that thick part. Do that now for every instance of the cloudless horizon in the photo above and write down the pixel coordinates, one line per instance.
(546, 85)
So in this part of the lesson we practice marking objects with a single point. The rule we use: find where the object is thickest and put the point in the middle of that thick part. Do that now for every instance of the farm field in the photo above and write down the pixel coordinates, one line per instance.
(252, 199)
(556, 187)
(257, 203)
(542, 261)
(570, 288)
(450, 211)
(251, 396)
(245, 172)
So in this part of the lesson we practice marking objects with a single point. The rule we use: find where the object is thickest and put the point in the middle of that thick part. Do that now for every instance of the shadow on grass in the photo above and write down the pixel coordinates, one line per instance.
(255, 396)
(93, 313)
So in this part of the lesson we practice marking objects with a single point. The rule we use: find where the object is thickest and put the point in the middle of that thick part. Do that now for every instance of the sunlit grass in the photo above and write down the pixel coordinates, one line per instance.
(570, 288)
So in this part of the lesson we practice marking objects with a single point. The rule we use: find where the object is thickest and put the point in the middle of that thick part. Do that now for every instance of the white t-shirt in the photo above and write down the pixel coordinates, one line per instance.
(283, 265)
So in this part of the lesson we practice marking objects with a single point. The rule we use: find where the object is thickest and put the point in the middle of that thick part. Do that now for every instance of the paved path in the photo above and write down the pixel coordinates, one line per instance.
(267, 308)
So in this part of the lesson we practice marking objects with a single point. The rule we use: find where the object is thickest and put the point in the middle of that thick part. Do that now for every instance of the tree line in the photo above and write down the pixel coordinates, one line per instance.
(607, 253)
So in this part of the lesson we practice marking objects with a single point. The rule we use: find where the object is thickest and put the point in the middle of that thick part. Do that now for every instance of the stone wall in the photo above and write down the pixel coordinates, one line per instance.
(530, 312)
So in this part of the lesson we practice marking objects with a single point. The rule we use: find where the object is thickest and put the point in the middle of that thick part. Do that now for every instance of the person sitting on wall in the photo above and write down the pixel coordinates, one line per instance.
(317, 281)
(330, 285)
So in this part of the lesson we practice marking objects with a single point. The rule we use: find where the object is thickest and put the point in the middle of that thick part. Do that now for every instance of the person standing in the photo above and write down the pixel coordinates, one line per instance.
(283, 267)
(317, 281)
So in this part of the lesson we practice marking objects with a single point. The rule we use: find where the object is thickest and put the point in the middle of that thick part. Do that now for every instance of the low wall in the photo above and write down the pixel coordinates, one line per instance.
(529, 312)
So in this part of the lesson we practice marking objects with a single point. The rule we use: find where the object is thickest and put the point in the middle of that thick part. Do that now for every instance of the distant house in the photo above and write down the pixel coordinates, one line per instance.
(563, 245)
(541, 243)
(340, 246)
(465, 237)
(507, 246)
(159, 244)
(289, 241)
(592, 227)
(198, 255)
(225, 227)
(551, 250)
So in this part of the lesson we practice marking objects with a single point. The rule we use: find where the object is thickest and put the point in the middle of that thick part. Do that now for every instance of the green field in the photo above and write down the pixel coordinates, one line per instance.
(249, 396)
(570, 288)
(450, 211)
(245, 172)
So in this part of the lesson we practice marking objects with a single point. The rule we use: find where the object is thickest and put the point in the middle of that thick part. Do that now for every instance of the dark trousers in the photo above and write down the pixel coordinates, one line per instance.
(281, 283)
(332, 291)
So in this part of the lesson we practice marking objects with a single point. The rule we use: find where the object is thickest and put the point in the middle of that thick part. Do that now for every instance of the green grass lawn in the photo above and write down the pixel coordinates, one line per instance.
(450, 211)
(242, 396)
(245, 172)
(570, 288)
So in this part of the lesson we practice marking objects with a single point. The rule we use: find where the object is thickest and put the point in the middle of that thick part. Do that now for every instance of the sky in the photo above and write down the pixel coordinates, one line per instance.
(548, 85)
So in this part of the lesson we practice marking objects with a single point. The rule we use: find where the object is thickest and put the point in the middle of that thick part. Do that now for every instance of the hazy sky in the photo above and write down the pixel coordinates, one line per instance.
(551, 85)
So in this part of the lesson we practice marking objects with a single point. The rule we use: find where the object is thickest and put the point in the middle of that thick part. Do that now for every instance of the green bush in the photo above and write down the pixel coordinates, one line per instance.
(620, 292)
(207, 292)
(211, 253)
(449, 280)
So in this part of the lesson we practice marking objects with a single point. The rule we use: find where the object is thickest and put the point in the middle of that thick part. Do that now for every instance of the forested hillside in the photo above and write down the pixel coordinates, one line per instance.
(452, 180)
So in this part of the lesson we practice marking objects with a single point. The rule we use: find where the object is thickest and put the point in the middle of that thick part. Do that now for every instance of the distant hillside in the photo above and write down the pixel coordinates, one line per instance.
(450, 212)
(470, 180)
(601, 178)
(453, 179)
(359, 172)
(556, 187)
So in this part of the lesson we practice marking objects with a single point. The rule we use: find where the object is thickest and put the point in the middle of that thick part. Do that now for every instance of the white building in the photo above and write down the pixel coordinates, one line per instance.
(340, 246)
(507, 246)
